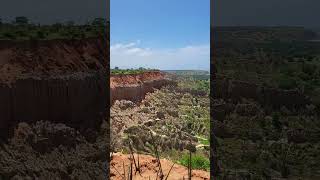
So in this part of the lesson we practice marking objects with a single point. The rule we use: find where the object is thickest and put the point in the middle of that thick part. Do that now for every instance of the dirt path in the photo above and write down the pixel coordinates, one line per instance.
(149, 168)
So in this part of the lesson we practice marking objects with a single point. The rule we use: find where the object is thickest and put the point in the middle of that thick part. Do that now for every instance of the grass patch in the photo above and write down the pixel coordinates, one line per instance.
(197, 162)
(204, 141)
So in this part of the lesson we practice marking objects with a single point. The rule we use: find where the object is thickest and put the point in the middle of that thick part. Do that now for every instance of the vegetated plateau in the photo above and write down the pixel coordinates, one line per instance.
(265, 105)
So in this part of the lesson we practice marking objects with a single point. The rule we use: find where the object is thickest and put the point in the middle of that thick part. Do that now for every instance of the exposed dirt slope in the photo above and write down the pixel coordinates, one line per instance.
(53, 102)
(134, 87)
(150, 167)
(52, 57)
(55, 80)
(135, 79)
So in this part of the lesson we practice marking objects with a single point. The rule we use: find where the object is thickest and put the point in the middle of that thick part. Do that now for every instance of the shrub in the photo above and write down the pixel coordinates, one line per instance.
(197, 162)
(9, 35)
(287, 83)
(304, 76)
(309, 69)
(276, 121)
(287, 70)
(40, 35)
(316, 97)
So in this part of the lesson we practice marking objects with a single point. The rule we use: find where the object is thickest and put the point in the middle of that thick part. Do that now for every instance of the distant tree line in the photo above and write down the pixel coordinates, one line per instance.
(21, 28)
(139, 70)
(23, 20)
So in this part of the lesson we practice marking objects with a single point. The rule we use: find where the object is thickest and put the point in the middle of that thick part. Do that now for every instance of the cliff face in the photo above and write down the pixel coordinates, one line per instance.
(62, 81)
(134, 87)
(51, 58)
(235, 90)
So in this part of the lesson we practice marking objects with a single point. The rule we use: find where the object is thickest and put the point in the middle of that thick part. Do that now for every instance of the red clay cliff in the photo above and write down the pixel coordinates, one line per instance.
(134, 87)
(61, 81)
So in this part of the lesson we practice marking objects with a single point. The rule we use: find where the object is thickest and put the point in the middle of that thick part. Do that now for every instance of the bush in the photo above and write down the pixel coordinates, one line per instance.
(197, 162)
(287, 70)
(9, 35)
(287, 83)
(316, 97)
(40, 35)
(276, 120)
(309, 69)
(304, 76)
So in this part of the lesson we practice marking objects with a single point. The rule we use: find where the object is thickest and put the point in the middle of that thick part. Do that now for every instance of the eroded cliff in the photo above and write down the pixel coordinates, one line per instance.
(235, 90)
(61, 81)
(134, 87)
(49, 58)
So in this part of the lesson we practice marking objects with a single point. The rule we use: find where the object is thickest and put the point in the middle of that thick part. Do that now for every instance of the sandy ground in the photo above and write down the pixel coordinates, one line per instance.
(149, 168)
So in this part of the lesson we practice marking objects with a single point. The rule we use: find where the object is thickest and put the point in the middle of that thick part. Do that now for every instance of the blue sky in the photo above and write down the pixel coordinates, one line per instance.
(163, 34)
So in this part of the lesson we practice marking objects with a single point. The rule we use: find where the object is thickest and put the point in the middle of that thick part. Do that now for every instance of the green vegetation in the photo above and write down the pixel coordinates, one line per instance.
(197, 162)
(191, 74)
(204, 141)
(262, 34)
(255, 141)
(198, 80)
(116, 70)
(194, 113)
(199, 85)
(22, 29)
(188, 72)
(293, 63)
(195, 109)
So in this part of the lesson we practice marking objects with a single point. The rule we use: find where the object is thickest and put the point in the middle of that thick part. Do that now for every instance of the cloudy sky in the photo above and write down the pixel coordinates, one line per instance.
(162, 34)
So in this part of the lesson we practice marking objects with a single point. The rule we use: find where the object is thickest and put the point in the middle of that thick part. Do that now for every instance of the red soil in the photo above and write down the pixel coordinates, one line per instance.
(134, 87)
(50, 57)
(149, 168)
(134, 79)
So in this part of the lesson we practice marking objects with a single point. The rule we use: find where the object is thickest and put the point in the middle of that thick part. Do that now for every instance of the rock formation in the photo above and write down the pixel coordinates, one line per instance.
(61, 81)
(134, 87)
(236, 90)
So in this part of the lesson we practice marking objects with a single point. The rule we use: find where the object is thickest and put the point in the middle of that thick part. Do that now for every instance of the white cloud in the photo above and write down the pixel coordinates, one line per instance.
(130, 55)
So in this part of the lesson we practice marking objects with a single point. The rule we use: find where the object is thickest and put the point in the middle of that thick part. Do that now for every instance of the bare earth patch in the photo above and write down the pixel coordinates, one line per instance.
(149, 168)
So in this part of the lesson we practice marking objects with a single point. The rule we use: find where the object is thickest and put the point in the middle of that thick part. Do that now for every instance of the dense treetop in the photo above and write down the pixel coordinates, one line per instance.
(21, 28)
